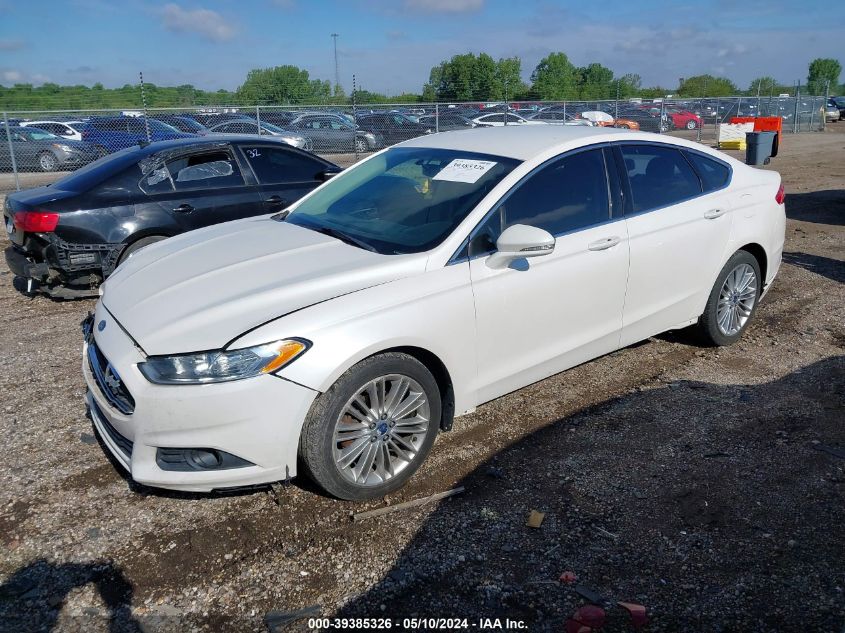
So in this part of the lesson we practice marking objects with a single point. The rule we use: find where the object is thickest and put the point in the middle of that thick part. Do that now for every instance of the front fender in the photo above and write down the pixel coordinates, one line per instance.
(433, 311)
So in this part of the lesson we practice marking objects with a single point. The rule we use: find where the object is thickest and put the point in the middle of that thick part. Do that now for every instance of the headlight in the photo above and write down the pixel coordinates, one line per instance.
(222, 365)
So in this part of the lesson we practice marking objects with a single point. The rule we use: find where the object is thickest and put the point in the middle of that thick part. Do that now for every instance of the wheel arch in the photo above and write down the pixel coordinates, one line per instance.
(441, 375)
(759, 253)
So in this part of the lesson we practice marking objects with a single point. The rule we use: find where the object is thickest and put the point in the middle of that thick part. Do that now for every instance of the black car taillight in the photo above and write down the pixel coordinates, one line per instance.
(36, 221)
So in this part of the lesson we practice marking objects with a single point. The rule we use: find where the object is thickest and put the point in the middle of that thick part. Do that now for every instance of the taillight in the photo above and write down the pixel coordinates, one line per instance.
(36, 221)
(780, 196)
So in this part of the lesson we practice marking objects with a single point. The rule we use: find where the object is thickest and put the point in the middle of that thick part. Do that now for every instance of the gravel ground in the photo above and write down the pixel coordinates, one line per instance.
(701, 483)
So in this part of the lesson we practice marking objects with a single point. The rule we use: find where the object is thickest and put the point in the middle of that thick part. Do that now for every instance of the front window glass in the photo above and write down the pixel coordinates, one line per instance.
(38, 135)
(406, 200)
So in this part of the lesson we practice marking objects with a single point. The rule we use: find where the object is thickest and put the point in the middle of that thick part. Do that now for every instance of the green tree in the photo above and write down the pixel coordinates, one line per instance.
(764, 86)
(823, 74)
(628, 85)
(554, 78)
(707, 86)
(595, 82)
(469, 77)
(281, 85)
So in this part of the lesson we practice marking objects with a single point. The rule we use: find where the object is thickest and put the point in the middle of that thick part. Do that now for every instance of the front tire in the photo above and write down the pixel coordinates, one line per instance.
(691, 124)
(732, 301)
(48, 162)
(370, 432)
(361, 145)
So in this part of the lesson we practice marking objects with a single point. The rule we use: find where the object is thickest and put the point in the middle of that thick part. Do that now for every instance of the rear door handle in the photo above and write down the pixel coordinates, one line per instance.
(184, 208)
(712, 214)
(604, 243)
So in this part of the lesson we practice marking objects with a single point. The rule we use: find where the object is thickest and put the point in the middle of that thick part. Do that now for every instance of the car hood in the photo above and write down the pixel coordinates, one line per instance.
(203, 289)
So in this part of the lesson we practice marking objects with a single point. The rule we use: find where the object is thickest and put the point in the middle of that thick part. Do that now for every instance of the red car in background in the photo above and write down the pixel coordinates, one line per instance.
(681, 119)
(684, 119)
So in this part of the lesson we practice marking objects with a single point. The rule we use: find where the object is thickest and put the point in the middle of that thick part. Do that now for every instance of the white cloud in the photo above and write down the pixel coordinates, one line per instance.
(12, 75)
(444, 6)
(204, 22)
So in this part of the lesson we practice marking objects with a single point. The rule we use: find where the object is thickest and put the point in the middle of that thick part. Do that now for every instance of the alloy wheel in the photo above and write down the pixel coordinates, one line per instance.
(381, 430)
(736, 299)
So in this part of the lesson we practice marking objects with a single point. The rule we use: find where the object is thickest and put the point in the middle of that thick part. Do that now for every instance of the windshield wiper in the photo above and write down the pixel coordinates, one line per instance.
(343, 237)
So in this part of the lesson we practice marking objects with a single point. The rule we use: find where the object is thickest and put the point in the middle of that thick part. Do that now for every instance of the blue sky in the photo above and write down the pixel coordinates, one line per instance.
(391, 45)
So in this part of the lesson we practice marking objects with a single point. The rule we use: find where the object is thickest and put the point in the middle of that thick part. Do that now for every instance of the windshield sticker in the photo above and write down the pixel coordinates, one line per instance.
(465, 170)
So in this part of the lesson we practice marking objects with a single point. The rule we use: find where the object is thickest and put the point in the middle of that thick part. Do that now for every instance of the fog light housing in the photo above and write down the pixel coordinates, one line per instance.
(197, 459)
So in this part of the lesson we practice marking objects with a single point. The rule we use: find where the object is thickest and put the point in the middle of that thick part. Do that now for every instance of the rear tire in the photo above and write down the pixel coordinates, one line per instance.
(134, 247)
(370, 432)
(361, 146)
(733, 300)
(47, 161)
(691, 124)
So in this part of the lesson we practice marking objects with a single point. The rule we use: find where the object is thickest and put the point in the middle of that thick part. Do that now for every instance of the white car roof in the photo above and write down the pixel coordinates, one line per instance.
(518, 141)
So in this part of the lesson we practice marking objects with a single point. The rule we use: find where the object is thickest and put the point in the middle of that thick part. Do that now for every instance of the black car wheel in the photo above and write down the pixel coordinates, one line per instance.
(48, 162)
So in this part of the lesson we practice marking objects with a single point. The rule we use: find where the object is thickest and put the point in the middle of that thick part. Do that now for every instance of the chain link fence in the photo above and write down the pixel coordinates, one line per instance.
(36, 147)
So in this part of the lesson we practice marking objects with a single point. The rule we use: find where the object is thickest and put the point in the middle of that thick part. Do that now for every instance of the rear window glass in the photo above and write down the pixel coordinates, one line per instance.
(659, 176)
(714, 175)
(277, 164)
(100, 170)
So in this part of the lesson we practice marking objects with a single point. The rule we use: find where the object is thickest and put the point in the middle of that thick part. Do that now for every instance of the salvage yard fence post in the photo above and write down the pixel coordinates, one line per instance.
(258, 118)
(11, 151)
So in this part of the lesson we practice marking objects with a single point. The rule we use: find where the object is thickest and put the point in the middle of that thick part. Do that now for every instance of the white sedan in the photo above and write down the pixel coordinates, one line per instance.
(497, 119)
(434, 276)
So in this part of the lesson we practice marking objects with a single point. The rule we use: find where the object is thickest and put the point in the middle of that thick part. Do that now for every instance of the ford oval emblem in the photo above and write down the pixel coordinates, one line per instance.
(101, 325)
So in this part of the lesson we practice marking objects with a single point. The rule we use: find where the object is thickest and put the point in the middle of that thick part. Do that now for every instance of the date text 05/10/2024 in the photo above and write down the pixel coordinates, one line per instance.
(446, 624)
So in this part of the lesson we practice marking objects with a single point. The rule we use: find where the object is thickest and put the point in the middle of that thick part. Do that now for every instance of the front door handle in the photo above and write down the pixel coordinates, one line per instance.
(604, 243)
(276, 202)
(712, 214)
(184, 208)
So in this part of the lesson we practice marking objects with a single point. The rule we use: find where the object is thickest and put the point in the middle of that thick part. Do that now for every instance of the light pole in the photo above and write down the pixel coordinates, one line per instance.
(336, 72)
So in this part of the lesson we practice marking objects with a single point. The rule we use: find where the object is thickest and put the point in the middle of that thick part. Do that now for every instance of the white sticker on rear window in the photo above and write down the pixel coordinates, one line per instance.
(465, 170)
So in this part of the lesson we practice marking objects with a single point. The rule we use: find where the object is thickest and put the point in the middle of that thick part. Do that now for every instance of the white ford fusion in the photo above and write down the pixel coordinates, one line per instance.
(340, 337)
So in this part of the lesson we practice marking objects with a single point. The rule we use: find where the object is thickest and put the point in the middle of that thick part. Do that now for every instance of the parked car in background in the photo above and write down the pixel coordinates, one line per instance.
(832, 111)
(560, 117)
(337, 340)
(251, 126)
(37, 149)
(497, 119)
(392, 127)
(328, 132)
(446, 122)
(839, 102)
(112, 133)
(684, 119)
(70, 130)
(280, 118)
(69, 236)
(182, 123)
(647, 120)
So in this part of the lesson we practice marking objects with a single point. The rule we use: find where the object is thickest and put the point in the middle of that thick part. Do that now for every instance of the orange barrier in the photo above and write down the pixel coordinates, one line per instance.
(764, 124)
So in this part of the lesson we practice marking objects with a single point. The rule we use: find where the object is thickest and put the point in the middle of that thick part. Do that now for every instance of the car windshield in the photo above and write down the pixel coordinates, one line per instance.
(35, 134)
(164, 128)
(405, 200)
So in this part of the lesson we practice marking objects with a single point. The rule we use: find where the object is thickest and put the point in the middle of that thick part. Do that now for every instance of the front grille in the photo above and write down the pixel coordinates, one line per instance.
(123, 443)
(109, 381)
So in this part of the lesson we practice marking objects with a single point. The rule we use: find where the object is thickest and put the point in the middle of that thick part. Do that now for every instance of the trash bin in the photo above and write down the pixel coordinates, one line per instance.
(758, 147)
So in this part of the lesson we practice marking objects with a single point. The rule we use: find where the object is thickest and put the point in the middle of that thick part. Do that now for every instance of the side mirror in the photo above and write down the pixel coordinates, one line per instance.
(328, 173)
(518, 241)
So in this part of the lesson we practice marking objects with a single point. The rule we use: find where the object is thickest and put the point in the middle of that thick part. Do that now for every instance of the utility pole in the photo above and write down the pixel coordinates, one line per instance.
(336, 72)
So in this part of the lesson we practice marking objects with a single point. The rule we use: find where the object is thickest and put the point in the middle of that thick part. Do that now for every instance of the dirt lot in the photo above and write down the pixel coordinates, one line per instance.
(706, 484)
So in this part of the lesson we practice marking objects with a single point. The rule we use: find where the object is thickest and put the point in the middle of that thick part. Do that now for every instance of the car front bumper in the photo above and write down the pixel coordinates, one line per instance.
(257, 420)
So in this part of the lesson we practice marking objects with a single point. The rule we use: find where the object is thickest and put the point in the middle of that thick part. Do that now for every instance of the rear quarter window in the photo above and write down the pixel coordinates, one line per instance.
(714, 174)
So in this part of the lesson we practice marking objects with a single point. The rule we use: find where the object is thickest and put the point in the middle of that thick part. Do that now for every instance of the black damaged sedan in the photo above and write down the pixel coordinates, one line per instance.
(66, 238)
